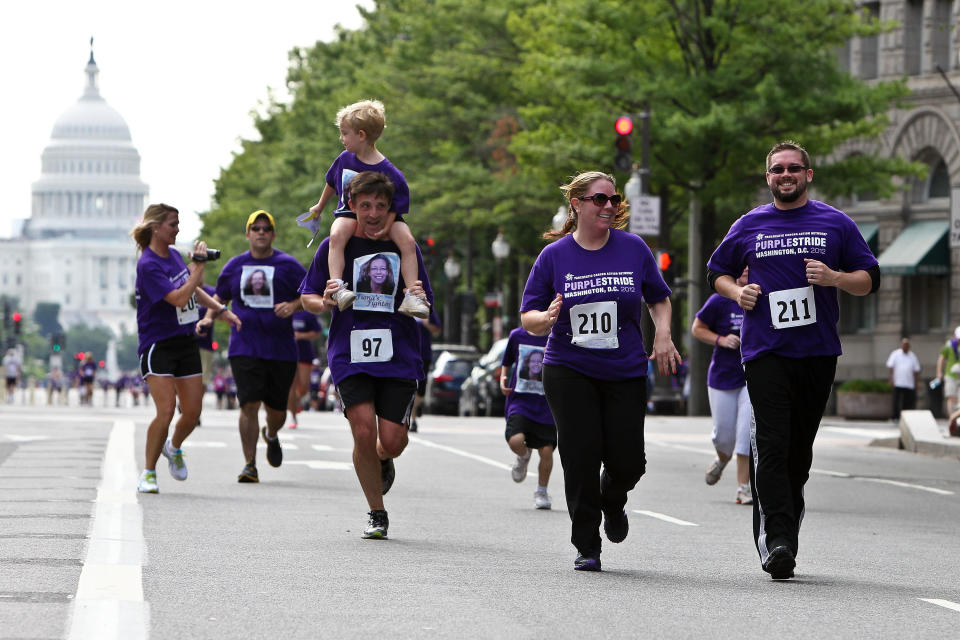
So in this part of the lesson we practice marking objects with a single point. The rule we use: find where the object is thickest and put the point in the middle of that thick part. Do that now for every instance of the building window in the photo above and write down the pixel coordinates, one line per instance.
(857, 313)
(940, 38)
(925, 303)
(913, 37)
(938, 185)
(869, 49)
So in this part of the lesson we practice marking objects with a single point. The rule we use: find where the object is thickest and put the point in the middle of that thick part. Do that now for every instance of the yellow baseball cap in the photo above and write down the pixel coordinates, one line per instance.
(256, 214)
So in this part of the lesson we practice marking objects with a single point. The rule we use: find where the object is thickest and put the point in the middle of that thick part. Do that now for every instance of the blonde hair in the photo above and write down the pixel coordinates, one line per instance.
(154, 215)
(577, 188)
(367, 116)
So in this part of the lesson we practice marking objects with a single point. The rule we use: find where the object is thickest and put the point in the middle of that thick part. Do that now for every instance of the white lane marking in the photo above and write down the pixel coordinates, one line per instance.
(897, 483)
(666, 518)
(466, 454)
(109, 600)
(683, 447)
(15, 438)
(864, 433)
(834, 474)
(326, 465)
(326, 447)
(942, 603)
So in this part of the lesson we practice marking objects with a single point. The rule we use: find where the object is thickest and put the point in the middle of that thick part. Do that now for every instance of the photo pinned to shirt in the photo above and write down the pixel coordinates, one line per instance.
(530, 372)
(375, 277)
(345, 177)
(256, 286)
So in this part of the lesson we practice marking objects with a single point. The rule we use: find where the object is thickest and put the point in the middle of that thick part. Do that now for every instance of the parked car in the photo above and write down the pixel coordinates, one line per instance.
(480, 393)
(450, 369)
(440, 347)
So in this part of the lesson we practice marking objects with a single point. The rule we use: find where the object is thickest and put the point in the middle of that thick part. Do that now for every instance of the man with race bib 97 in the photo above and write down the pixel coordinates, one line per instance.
(373, 351)
(799, 251)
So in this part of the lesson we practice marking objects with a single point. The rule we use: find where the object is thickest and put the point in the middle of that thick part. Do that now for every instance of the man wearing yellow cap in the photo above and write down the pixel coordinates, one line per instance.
(262, 286)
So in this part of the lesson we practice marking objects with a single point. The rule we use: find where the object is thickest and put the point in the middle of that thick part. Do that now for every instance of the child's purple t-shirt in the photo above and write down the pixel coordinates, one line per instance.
(723, 316)
(603, 294)
(529, 404)
(346, 166)
(157, 319)
(773, 243)
(263, 333)
(381, 343)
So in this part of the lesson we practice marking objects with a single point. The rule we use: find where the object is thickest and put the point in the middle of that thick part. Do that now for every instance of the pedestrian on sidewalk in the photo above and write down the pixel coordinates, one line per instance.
(948, 370)
(904, 374)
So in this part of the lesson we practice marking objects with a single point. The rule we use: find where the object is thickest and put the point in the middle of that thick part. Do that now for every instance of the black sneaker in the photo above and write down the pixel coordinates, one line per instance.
(388, 473)
(274, 452)
(377, 526)
(586, 563)
(780, 563)
(413, 426)
(616, 526)
(249, 473)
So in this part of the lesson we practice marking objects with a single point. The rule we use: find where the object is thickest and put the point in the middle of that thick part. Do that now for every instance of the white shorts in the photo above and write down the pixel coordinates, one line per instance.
(949, 387)
(731, 413)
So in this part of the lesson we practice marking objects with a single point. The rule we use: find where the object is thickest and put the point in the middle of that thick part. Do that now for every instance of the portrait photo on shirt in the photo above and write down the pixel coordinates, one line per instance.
(256, 286)
(530, 373)
(345, 178)
(376, 276)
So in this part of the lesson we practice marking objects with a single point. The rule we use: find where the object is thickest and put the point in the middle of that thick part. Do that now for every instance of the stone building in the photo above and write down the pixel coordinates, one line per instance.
(74, 249)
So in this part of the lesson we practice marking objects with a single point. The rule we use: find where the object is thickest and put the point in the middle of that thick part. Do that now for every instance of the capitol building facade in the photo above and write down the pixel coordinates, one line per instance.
(74, 249)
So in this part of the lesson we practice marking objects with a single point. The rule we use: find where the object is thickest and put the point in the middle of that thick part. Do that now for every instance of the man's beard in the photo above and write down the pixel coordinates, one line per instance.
(799, 190)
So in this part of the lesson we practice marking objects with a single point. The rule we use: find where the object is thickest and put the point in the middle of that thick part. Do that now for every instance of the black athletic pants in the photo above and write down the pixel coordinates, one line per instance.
(788, 397)
(599, 422)
(904, 399)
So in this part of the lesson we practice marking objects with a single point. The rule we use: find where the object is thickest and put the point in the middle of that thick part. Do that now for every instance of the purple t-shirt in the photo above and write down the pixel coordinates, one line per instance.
(206, 340)
(305, 322)
(370, 337)
(157, 319)
(255, 286)
(426, 342)
(723, 316)
(346, 166)
(792, 318)
(527, 397)
(598, 330)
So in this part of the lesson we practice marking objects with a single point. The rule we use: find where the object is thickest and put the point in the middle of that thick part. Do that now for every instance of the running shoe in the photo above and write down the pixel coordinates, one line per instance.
(343, 296)
(148, 482)
(586, 563)
(780, 563)
(519, 471)
(616, 526)
(743, 494)
(714, 471)
(249, 473)
(413, 426)
(274, 452)
(377, 526)
(178, 468)
(415, 306)
(388, 473)
(541, 500)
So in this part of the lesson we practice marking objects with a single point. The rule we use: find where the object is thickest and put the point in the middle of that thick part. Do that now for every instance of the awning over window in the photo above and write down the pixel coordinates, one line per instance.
(920, 249)
(869, 232)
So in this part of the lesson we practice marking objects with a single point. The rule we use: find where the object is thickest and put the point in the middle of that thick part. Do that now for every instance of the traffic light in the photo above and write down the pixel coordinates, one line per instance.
(665, 263)
(215, 345)
(17, 318)
(623, 160)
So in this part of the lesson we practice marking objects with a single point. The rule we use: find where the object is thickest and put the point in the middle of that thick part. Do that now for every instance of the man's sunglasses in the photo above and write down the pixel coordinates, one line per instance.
(600, 199)
(793, 168)
(258, 227)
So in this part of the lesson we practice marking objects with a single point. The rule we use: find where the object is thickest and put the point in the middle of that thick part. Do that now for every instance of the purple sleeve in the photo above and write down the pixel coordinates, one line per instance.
(155, 282)
(856, 253)
(708, 312)
(539, 291)
(510, 353)
(728, 257)
(224, 291)
(401, 194)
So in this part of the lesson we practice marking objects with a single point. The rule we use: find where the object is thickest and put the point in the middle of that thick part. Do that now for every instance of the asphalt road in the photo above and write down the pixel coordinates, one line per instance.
(82, 555)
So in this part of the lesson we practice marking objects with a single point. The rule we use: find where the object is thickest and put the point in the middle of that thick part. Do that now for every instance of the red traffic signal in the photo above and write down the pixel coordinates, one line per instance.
(431, 241)
(17, 317)
(624, 125)
(663, 260)
(215, 345)
(102, 364)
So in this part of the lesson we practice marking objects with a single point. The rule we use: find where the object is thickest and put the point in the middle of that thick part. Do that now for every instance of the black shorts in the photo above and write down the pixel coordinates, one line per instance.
(392, 398)
(177, 357)
(261, 380)
(11, 382)
(535, 434)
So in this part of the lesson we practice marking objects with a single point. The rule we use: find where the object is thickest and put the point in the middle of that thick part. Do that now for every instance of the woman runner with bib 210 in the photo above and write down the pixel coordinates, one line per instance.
(586, 290)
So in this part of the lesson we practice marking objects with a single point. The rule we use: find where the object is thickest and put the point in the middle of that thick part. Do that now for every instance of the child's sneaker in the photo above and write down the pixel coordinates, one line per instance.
(415, 306)
(344, 297)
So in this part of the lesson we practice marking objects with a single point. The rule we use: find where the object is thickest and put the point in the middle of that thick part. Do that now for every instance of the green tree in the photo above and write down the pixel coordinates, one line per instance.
(81, 337)
(47, 316)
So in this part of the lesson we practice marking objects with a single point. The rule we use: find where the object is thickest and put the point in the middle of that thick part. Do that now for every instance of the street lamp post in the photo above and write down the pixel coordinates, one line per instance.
(501, 251)
(451, 268)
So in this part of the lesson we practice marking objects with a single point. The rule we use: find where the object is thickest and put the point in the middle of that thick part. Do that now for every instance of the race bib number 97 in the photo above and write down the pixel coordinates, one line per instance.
(793, 308)
(189, 312)
(594, 325)
(371, 345)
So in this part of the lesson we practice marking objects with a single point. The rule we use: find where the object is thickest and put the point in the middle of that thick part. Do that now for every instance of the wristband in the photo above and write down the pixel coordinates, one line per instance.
(216, 314)
(716, 342)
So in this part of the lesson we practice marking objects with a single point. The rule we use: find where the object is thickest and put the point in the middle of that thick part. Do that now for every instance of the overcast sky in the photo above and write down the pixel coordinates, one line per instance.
(184, 75)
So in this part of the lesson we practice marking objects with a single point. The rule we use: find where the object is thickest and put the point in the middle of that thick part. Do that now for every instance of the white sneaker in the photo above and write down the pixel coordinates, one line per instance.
(714, 471)
(415, 306)
(178, 468)
(148, 482)
(344, 297)
(743, 494)
(541, 500)
(519, 471)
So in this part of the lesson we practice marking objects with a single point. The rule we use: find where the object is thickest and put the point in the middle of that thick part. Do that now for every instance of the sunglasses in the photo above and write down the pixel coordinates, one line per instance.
(793, 168)
(600, 199)
(258, 227)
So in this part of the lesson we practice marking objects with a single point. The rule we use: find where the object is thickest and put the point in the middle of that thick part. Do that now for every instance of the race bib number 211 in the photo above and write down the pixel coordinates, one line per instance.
(793, 308)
